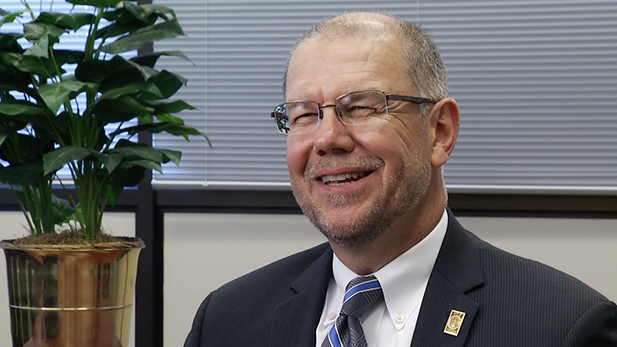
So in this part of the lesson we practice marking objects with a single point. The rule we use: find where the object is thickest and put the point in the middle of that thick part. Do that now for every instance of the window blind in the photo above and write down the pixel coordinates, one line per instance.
(536, 82)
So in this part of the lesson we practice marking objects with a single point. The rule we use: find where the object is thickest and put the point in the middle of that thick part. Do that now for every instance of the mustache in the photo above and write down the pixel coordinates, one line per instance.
(363, 163)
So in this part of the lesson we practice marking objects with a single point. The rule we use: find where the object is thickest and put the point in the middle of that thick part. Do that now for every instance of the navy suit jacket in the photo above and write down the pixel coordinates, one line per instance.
(508, 301)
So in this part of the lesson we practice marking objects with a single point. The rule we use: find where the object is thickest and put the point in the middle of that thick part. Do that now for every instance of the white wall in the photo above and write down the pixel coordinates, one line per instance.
(204, 251)
(120, 224)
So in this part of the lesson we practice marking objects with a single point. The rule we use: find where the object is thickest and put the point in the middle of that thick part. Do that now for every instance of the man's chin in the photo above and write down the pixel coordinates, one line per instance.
(347, 232)
(351, 240)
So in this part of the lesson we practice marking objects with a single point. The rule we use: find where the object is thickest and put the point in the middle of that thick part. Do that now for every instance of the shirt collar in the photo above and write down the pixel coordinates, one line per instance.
(404, 279)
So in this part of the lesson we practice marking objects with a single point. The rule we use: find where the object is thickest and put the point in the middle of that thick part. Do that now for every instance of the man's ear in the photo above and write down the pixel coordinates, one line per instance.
(445, 121)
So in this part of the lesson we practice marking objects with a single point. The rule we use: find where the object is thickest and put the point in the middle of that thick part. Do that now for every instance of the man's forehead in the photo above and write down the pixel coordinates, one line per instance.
(318, 46)
(326, 70)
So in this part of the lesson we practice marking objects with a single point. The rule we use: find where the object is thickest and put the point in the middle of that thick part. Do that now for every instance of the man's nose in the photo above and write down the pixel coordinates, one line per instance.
(331, 135)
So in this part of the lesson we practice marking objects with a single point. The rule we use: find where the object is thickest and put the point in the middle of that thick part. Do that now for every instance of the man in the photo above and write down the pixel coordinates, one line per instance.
(370, 125)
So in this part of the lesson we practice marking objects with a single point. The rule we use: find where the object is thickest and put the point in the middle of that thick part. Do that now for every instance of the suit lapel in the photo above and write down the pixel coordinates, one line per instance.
(296, 318)
(440, 299)
(457, 271)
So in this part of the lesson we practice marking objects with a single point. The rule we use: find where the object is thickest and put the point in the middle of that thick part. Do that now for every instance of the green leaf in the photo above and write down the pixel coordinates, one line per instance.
(145, 119)
(68, 57)
(113, 194)
(56, 159)
(72, 21)
(120, 109)
(8, 17)
(146, 164)
(112, 161)
(148, 10)
(35, 31)
(95, 3)
(21, 175)
(151, 9)
(9, 43)
(166, 30)
(61, 210)
(97, 70)
(130, 17)
(17, 81)
(45, 68)
(4, 133)
(129, 89)
(174, 129)
(168, 83)
(21, 109)
(128, 176)
(172, 155)
(42, 48)
(119, 29)
(137, 11)
(109, 161)
(163, 110)
(169, 118)
(113, 73)
(120, 16)
(23, 147)
(151, 58)
(122, 22)
(57, 94)
(138, 152)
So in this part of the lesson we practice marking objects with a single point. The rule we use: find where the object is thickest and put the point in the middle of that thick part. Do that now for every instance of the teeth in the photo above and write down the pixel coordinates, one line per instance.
(345, 178)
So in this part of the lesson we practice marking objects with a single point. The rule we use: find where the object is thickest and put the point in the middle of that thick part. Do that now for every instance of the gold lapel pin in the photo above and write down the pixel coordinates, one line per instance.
(453, 326)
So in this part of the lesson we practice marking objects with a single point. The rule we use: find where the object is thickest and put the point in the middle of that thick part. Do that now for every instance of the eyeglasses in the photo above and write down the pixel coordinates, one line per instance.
(352, 109)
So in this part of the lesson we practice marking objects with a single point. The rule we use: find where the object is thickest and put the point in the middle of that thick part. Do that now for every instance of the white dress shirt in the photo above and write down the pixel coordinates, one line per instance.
(391, 323)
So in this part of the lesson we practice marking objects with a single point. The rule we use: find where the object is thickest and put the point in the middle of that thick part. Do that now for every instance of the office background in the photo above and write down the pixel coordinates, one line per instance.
(535, 170)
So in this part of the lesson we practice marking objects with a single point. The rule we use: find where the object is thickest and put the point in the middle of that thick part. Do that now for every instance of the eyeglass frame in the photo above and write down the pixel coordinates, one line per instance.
(413, 99)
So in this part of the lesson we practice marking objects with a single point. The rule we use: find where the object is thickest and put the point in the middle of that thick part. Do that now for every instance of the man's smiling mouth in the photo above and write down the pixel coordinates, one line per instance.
(342, 179)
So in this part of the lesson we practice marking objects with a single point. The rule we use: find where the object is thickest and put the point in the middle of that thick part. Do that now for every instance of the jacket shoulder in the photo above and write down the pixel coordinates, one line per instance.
(527, 301)
(249, 303)
(284, 271)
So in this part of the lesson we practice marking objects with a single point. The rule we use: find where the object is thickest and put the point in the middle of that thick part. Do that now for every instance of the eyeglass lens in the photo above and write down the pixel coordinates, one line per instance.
(353, 108)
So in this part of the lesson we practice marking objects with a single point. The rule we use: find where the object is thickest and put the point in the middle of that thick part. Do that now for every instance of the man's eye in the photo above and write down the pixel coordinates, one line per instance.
(359, 111)
(361, 108)
(304, 118)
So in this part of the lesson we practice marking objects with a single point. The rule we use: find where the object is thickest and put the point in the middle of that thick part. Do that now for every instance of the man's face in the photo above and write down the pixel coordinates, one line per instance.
(356, 181)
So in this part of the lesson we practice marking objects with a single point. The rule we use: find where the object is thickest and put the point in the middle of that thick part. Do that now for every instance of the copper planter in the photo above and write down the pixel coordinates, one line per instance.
(68, 296)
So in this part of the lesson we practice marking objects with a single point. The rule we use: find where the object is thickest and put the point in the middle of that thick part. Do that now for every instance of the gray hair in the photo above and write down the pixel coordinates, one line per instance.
(425, 67)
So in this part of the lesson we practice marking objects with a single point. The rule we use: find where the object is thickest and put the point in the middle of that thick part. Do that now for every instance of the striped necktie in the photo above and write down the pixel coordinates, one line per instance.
(361, 293)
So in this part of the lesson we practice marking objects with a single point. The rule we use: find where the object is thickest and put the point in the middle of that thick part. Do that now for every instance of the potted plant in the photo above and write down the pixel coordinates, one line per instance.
(80, 110)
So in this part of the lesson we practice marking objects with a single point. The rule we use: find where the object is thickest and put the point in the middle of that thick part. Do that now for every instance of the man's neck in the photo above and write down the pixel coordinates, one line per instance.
(399, 238)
